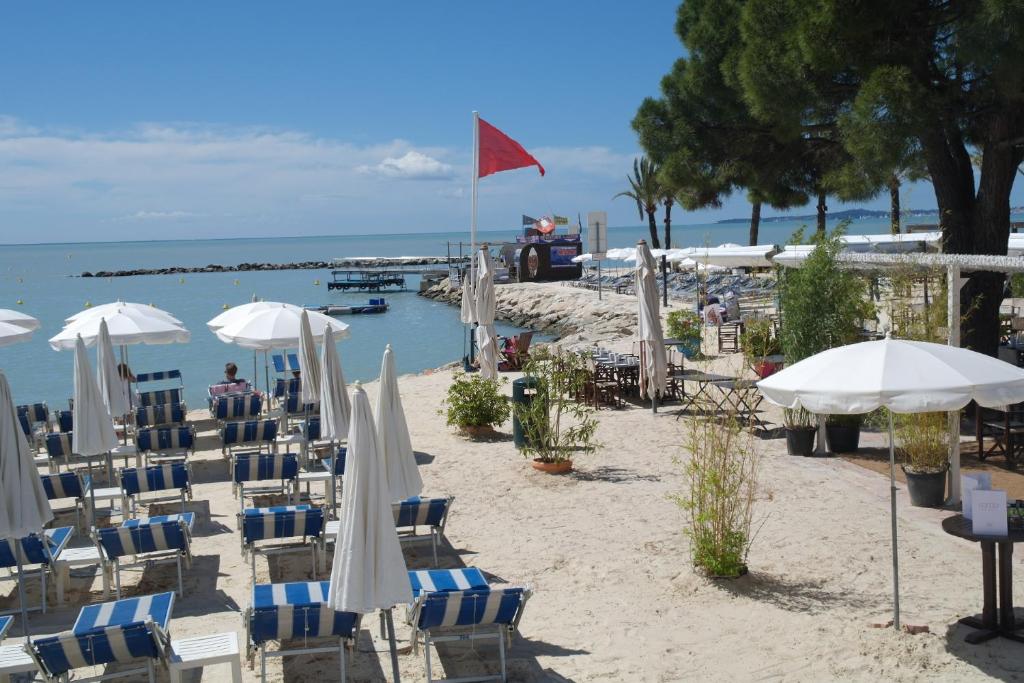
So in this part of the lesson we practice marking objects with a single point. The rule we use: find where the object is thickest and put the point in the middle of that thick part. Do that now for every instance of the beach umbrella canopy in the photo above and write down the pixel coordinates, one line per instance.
(486, 337)
(403, 476)
(24, 508)
(126, 326)
(13, 334)
(727, 255)
(653, 363)
(18, 319)
(903, 376)
(278, 327)
(620, 253)
(105, 310)
(309, 388)
(94, 428)
(583, 258)
(242, 312)
(111, 386)
(467, 313)
(335, 408)
(369, 570)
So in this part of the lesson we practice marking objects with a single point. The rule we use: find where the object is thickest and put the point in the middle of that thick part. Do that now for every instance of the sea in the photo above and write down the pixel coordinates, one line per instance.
(43, 281)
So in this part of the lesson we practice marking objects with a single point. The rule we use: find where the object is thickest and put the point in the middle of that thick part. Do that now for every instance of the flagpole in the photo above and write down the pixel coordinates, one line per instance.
(476, 181)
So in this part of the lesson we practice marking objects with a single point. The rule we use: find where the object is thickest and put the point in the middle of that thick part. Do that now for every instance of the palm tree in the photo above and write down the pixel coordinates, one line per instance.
(646, 191)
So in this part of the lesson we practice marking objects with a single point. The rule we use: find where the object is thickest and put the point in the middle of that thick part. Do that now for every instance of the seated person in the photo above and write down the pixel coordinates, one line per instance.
(713, 314)
(231, 382)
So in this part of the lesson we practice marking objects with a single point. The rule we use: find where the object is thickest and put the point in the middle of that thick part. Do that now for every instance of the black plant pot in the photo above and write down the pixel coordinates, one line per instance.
(927, 489)
(800, 440)
(843, 438)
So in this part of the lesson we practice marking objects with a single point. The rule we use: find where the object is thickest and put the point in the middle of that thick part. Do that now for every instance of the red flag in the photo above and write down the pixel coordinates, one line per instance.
(499, 152)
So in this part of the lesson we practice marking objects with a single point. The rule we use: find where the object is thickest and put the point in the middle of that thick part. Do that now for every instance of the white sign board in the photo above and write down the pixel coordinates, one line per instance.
(969, 483)
(597, 233)
(988, 513)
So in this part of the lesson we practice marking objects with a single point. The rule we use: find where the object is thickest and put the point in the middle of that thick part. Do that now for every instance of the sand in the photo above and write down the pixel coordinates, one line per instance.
(616, 597)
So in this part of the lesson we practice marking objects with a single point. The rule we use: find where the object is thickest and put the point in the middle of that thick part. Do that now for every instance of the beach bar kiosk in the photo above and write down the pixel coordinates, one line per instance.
(544, 258)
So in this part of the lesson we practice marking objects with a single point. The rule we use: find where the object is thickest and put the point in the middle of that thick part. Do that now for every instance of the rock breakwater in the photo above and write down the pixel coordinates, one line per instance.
(355, 262)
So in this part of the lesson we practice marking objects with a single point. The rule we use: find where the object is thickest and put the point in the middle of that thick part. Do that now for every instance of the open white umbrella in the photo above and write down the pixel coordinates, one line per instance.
(403, 476)
(309, 387)
(18, 319)
(126, 326)
(335, 408)
(903, 376)
(24, 508)
(13, 334)
(112, 387)
(105, 310)
(277, 327)
(653, 363)
(242, 312)
(486, 337)
(369, 571)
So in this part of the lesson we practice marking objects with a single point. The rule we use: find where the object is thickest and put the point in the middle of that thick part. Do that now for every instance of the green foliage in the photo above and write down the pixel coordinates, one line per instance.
(722, 473)
(555, 425)
(647, 191)
(473, 401)
(1017, 285)
(845, 420)
(923, 441)
(682, 324)
(758, 340)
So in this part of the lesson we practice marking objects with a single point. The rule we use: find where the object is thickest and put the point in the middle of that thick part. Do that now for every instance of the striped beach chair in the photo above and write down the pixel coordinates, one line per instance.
(62, 485)
(251, 471)
(149, 541)
(418, 512)
(282, 523)
(58, 448)
(122, 632)
(160, 397)
(159, 415)
(298, 612)
(160, 376)
(234, 407)
(251, 435)
(167, 477)
(64, 420)
(40, 553)
(458, 604)
(166, 443)
(278, 360)
(34, 419)
(5, 626)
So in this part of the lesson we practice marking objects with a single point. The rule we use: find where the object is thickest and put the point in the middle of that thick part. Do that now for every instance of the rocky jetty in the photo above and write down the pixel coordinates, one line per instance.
(354, 262)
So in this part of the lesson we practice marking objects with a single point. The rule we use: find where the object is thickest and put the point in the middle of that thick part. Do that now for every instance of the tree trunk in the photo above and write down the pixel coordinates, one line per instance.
(822, 210)
(652, 225)
(755, 222)
(894, 204)
(668, 222)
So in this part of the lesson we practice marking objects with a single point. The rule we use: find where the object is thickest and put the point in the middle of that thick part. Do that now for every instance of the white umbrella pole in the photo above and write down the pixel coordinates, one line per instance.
(21, 589)
(895, 546)
(394, 647)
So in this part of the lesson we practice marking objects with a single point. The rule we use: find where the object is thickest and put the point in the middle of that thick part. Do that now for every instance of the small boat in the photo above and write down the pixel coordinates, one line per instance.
(375, 306)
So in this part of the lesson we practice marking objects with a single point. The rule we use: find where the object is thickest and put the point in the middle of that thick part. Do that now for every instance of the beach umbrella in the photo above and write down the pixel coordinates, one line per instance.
(242, 312)
(24, 508)
(309, 387)
(369, 571)
(335, 407)
(18, 319)
(903, 376)
(467, 313)
(403, 476)
(277, 327)
(126, 326)
(94, 428)
(105, 310)
(486, 339)
(653, 363)
(13, 334)
(112, 387)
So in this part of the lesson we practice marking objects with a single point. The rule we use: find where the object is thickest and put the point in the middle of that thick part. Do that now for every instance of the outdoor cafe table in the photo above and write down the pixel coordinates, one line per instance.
(993, 623)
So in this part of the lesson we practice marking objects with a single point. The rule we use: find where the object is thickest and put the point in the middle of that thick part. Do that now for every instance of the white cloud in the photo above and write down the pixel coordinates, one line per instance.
(412, 165)
(159, 215)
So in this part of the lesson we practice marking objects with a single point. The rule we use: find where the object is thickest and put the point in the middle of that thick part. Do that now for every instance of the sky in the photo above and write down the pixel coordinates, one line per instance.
(125, 120)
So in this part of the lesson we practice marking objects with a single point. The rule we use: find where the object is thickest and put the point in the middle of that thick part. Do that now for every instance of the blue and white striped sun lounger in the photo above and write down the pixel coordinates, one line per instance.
(247, 468)
(159, 415)
(281, 523)
(122, 631)
(64, 420)
(160, 397)
(166, 443)
(416, 512)
(75, 485)
(159, 376)
(278, 360)
(5, 626)
(168, 477)
(152, 540)
(41, 552)
(236, 407)
(286, 387)
(35, 422)
(451, 605)
(251, 435)
(189, 518)
(297, 612)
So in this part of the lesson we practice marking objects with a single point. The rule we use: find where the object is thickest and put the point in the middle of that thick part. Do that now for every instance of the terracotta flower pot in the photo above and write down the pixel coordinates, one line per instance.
(765, 368)
(553, 467)
(477, 431)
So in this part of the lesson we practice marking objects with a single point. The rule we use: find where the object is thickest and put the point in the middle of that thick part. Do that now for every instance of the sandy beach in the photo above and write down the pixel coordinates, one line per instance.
(616, 598)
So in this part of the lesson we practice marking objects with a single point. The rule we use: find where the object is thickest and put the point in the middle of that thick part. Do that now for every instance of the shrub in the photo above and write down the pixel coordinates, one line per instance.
(923, 441)
(473, 401)
(684, 325)
(758, 340)
(722, 473)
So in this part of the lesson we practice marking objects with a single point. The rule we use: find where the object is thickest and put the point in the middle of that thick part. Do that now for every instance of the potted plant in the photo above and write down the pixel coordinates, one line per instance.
(800, 431)
(759, 344)
(923, 440)
(843, 432)
(475, 405)
(687, 327)
(556, 426)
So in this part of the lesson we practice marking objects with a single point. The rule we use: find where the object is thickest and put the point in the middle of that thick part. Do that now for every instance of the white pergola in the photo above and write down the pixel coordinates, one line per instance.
(954, 265)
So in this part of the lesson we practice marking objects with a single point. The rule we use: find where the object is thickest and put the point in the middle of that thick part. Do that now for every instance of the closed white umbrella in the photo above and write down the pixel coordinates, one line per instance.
(18, 319)
(233, 315)
(903, 376)
(467, 312)
(126, 326)
(13, 334)
(486, 337)
(94, 428)
(24, 508)
(112, 387)
(278, 327)
(309, 388)
(335, 408)
(105, 310)
(653, 363)
(403, 476)
(369, 571)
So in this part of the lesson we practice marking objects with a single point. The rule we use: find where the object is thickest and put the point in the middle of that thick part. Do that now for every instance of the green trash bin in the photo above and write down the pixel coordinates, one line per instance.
(521, 397)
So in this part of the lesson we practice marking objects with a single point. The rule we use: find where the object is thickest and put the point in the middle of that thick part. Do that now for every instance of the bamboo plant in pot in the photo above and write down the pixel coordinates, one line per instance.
(759, 345)
(475, 405)
(923, 442)
(843, 432)
(687, 327)
(800, 431)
